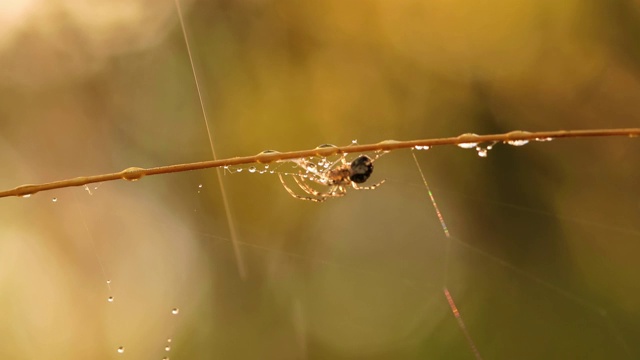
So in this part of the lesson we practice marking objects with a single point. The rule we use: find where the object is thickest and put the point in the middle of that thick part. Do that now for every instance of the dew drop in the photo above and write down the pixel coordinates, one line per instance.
(324, 146)
(354, 142)
(272, 172)
(544, 139)
(110, 299)
(388, 142)
(239, 170)
(467, 141)
(26, 196)
(167, 348)
(169, 340)
(121, 349)
(132, 173)
(200, 186)
(267, 152)
(252, 169)
(517, 142)
(175, 311)
(419, 147)
(165, 358)
(54, 199)
(467, 145)
(108, 281)
(482, 152)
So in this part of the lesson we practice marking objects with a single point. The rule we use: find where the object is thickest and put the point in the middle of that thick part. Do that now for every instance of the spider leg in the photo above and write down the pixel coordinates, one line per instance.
(296, 195)
(355, 186)
(305, 187)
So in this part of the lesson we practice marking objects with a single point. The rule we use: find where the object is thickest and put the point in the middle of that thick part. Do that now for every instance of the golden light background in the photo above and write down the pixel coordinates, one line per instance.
(542, 262)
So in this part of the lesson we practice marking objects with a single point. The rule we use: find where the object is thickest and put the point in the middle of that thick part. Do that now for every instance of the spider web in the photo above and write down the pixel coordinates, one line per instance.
(536, 259)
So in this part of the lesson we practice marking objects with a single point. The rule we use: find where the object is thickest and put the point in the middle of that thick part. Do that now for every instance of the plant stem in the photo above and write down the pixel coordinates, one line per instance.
(135, 173)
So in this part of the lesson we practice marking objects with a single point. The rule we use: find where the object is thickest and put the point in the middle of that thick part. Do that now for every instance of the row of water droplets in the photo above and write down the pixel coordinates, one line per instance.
(167, 347)
(310, 165)
(483, 150)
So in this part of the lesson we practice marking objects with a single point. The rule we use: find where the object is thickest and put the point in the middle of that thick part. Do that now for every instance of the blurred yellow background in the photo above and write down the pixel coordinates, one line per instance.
(542, 262)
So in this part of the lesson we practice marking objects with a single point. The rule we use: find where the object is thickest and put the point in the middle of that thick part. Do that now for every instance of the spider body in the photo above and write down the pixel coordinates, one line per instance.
(335, 176)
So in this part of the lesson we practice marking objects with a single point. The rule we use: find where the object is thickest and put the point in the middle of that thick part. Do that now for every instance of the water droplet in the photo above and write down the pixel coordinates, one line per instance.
(169, 340)
(110, 299)
(544, 139)
(238, 170)
(482, 152)
(25, 196)
(108, 281)
(200, 186)
(54, 199)
(175, 311)
(517, 142)
(272, 172)
(467, 140)
(121, 349)
(167, 348)
(252, 169)
(324, 146)
(467, 145)
(265, 152)
(165, 358)
(419, 147)
(266, 166)
(132, 173)
(354, 142)
(383, 142)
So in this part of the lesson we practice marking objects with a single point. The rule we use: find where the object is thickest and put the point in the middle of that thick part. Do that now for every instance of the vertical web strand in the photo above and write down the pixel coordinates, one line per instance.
(447, 294)
(242, 270)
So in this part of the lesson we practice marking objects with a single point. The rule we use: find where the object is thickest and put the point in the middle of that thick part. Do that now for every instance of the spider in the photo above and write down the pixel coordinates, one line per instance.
(336, 178)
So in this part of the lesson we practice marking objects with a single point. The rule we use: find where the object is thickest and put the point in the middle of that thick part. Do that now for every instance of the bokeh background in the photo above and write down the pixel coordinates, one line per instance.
(543, 256)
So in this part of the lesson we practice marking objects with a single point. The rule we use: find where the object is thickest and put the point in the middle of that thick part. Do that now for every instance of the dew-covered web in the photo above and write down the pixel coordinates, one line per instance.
(434, 263)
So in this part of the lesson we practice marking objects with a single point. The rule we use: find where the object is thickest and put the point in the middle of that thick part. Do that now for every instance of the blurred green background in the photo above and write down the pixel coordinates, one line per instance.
(542, 262)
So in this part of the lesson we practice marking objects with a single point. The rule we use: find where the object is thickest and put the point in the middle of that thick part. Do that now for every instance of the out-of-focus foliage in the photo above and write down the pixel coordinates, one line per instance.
(543, 260)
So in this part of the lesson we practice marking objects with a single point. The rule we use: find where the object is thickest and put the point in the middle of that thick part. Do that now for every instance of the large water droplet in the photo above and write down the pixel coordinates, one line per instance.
(121, 349)
(54, 199)
(517, 142)
(110, 299)
(467, 140)
(167, 348)
(266, 152)
(482, 152)
(132, 173)
(544, 139)
(252, 169)
(175, 311)
(108, 281)
(324, 146)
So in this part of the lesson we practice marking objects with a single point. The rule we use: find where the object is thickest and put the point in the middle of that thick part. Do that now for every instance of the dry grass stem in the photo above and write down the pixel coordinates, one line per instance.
(135, 173)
